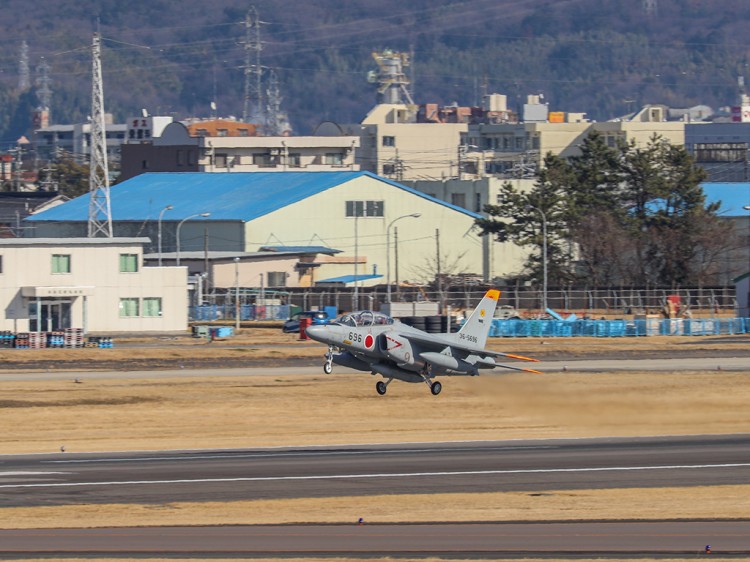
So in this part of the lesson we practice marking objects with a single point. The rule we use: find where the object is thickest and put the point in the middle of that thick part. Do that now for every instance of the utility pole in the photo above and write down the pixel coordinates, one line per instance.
(253, 70)
(439, 273)
(100, 211)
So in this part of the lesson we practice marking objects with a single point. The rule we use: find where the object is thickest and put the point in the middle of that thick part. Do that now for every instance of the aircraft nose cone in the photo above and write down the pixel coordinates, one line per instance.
(315, 332)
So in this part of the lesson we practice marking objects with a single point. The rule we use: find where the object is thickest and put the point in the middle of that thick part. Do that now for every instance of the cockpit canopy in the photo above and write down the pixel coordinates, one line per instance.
(364, 318)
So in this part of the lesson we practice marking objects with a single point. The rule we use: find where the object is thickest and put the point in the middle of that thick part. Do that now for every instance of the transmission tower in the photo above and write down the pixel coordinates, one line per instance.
(24, 76)
(100, 212)
(273, 106)
(43, 81)
(253, 69)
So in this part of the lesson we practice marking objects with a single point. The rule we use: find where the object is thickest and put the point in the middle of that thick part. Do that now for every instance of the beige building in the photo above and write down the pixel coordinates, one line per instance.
(97, 284)
(394, 145)
(207, 147)
(518, 149)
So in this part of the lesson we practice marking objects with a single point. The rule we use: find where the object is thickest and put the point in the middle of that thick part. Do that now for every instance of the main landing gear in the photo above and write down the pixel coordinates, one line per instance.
(435, 386)
(382, 387)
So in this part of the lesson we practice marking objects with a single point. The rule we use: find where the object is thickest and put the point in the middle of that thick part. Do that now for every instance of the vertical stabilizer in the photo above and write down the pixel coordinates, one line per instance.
(477, 326)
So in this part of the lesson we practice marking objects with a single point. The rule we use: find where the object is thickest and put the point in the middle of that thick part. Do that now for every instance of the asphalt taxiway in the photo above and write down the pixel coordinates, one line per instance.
(675, 539)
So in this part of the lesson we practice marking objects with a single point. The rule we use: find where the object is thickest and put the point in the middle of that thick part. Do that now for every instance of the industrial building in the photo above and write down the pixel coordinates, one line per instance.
(355, 212)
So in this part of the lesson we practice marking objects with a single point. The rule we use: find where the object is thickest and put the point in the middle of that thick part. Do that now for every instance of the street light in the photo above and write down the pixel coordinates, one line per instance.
(544, 255)
(355, 297)
(747, 208)
(237, 295)
(161, 214)
(179, 226)
(388, 252)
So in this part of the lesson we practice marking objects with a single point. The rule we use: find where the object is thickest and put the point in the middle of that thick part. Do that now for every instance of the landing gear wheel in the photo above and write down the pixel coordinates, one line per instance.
(327, 368)
(381, 387)
(435, 388)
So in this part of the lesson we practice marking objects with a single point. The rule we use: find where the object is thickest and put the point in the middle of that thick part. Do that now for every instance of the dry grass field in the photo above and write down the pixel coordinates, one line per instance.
(255, 411)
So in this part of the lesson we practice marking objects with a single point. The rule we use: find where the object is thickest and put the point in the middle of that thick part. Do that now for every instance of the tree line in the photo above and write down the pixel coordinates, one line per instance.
(625, 215)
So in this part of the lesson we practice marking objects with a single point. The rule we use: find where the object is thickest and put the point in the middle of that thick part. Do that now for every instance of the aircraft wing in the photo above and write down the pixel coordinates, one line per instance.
(440, 341)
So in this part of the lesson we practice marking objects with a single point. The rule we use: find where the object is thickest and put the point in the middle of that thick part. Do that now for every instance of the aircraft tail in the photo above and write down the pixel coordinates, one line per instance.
(476, 328)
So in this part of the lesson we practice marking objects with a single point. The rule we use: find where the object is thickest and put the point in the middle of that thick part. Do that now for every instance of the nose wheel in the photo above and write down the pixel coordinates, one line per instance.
(435, 388)
(328, 365)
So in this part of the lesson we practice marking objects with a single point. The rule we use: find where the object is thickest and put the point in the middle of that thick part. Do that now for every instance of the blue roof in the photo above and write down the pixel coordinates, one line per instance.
(733, 197)
(349, 278)
(239, 196)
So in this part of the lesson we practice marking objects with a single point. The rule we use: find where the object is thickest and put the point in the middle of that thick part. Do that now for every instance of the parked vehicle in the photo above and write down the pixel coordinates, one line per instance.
(507, 312)
(316, 317)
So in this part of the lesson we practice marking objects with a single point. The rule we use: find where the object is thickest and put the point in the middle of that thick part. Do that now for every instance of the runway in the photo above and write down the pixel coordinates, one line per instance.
(160, 477)
(505, 540)
(470, 467)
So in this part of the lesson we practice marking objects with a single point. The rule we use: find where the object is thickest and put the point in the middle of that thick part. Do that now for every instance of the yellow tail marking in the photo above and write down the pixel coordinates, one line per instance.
(493, 294)
(521, 357)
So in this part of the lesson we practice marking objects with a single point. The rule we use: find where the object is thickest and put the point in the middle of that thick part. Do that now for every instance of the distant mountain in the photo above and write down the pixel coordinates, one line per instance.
(603, 57)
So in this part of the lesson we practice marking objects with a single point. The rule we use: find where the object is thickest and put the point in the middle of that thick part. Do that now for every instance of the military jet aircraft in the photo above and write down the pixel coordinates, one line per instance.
(373, 342)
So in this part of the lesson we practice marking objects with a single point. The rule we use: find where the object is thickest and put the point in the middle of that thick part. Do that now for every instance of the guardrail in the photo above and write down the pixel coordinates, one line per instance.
(620, 328)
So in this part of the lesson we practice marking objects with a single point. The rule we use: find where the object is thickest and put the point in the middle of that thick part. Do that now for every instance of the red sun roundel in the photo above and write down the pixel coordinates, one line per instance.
(369, 341)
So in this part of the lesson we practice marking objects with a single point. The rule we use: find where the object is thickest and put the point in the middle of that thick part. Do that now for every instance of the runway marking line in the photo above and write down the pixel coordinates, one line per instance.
(376, 475)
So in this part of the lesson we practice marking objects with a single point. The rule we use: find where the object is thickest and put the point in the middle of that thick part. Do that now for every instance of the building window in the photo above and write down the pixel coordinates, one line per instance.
(721, 152)
(128, 308)
(458, 199)
(365, 208)
(389, 141)
(152, 307)
(276, 278)
(294, 160)
(221, 161)
(477, 202)
(128, 263)
(264, 160)
(374, 208)
(334, 159)
(355, 208)
(180, 157)
(221, 132)
(60, 263)
(1, 264)
(243, 132)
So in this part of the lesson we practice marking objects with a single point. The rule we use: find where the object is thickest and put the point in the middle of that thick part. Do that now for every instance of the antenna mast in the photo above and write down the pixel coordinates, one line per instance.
(253, 72)
(100, 212)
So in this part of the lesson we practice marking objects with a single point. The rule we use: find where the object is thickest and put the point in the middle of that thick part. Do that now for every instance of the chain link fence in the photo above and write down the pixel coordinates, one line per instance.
(523, 303)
